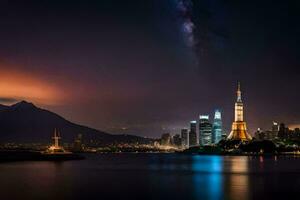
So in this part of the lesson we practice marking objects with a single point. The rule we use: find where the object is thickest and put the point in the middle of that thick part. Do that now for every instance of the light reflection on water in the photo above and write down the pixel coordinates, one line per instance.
(211, 173)
(238, 181)
(208, 180)
(152, 176)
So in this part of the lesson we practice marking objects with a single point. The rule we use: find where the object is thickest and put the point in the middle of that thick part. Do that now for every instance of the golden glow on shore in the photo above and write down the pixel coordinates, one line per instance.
(20, 85)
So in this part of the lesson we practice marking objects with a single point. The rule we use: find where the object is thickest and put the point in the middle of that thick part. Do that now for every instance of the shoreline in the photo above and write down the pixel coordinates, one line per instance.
(15, 155)
(20, 156)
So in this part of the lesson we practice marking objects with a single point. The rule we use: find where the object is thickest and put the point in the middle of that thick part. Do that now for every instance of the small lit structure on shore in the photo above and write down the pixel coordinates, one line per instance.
(55, 148)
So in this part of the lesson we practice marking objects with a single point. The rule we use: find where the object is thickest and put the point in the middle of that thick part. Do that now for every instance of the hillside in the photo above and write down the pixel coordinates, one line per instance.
(24, 122)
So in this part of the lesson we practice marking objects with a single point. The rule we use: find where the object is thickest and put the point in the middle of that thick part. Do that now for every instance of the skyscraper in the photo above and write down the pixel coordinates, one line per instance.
(165, 139)
(217, 128)
(205, 130)
(185, 138)
(275, 129)
(193, 134)
(283, 131)
(239, 128)
(176, 141)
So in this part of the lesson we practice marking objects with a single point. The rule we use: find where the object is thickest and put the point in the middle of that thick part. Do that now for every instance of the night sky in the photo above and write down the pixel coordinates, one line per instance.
(147, 67)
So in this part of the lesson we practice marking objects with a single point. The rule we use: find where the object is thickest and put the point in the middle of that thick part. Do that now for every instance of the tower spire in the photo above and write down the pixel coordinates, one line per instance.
(239, 93)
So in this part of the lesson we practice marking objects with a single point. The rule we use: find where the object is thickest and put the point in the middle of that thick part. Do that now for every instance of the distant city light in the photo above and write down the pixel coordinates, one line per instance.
(204, 117)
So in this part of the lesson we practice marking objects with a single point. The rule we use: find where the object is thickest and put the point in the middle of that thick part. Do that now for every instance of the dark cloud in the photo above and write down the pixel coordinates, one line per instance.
(4, 100)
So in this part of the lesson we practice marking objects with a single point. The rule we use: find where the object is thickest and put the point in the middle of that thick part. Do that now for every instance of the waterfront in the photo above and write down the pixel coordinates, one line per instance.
(153, 176)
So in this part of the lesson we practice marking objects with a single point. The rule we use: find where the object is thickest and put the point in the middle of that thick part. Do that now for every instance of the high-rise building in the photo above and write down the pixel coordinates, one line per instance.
(205, 130)
(193, 134)
(165, 139)
(239, 127)
(275, 129)
(283, 131)
(185, 138)
(176, 140)
(217, 128)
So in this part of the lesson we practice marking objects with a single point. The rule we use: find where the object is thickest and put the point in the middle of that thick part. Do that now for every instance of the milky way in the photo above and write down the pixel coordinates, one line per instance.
(184, 8)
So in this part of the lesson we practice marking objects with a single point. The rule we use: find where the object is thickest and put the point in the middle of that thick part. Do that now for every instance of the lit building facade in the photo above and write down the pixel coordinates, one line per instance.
(217, 128)
(239, 127)
(193, 134)
(205, 130)
(275, 129)
(185, 138)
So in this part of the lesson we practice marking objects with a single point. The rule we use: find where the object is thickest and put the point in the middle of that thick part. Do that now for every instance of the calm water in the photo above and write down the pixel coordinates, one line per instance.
(153, 176)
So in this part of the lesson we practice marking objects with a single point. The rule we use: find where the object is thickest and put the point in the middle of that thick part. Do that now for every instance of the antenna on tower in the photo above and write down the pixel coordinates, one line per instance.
(239, 93)
(56, 138)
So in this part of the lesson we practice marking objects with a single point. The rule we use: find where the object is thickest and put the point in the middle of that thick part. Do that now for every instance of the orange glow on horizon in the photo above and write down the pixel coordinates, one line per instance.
(19, 85)
(293, 126)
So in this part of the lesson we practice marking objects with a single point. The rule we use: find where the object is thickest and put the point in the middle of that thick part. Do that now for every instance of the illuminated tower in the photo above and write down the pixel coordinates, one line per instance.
(205, 130)
(185, 138)
(217, 128)
(239, 128)
(193, 134)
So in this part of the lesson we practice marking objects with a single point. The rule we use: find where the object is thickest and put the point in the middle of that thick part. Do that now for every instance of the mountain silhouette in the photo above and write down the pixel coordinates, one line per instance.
(26, 123)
